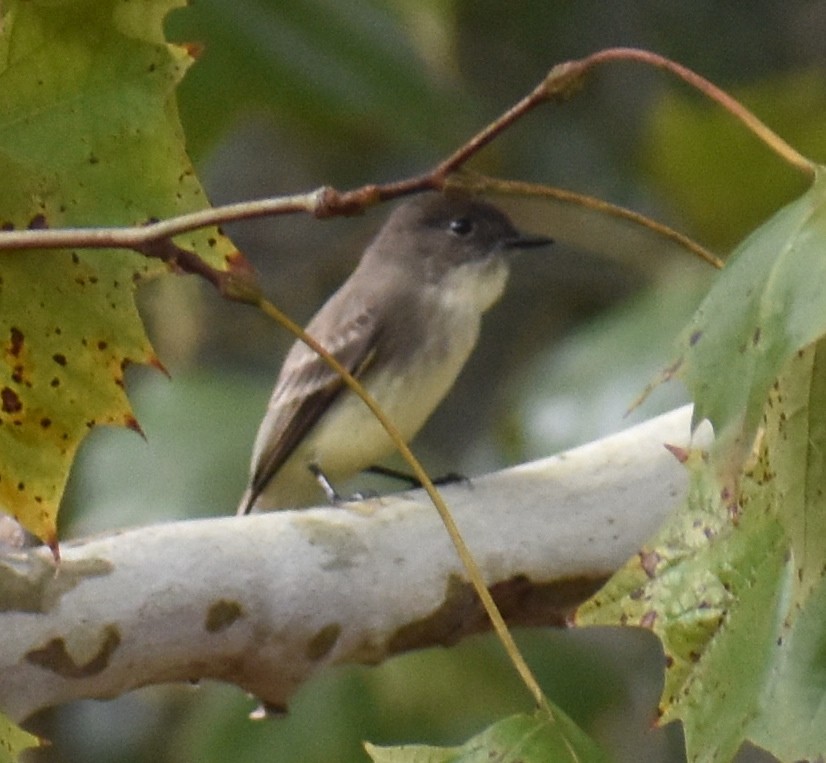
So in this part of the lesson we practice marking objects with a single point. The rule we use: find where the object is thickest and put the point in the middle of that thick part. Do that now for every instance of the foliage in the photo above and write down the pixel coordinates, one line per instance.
(14, 740)
(520, 738)
(734, 584)
(89, 135)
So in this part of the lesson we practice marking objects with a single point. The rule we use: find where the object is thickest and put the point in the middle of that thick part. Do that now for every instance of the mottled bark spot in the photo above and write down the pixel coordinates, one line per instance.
(55, 656)
(323, 641)
(222, 614)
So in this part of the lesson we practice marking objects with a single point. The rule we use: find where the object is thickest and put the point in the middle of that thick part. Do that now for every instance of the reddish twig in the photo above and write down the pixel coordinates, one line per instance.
(560, 83)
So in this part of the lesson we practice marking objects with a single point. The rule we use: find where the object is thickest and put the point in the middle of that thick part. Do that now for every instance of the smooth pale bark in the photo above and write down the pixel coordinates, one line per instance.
(267, 600)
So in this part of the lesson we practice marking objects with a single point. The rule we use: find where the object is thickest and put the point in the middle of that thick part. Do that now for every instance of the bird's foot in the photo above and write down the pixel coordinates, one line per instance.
(414, 482)
(333, 496)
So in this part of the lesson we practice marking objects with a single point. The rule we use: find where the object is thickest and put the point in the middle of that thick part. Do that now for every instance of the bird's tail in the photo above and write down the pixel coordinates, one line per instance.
(247, 503)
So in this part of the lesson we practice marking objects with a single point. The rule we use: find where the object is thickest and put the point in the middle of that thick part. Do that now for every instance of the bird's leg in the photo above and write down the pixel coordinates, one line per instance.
(332, 496)
(395, 474)
(414, 482)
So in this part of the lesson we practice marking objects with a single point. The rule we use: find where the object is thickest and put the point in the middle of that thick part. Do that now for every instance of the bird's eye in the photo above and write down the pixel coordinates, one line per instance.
(461, 226)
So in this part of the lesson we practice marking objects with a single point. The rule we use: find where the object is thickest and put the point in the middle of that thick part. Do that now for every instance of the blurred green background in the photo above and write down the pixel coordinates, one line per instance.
(288, 95)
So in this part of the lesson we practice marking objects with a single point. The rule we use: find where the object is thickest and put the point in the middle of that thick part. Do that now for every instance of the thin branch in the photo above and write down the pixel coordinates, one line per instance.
(563, 80)
(481, 184)
(786, 152)
(140, 236)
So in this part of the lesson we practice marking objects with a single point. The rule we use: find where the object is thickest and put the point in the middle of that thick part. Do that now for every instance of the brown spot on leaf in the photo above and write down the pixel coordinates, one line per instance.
(55, 656)
(649, 561)
(194, 49)
(155, 362)
(55, 382)
(102, 345)
(755, 338)
(45, 422)
(15, 342)
(648, 619)
(320, 645)
(131, 422)
(38, 222)
(222, 614)
(680, 453)
(695, 337)
(9, 401)
(59, 358)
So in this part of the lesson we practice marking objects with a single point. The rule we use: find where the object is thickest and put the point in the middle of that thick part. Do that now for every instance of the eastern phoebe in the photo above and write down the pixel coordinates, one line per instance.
(404, 324)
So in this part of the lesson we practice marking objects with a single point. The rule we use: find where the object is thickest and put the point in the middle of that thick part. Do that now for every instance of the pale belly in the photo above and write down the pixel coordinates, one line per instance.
(349, 438)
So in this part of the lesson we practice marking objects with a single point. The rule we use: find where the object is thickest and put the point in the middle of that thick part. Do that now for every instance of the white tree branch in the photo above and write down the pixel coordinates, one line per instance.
(267, 600)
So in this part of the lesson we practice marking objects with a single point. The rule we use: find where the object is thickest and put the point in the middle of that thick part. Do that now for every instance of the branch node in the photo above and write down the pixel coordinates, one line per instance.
(564, 80)
(330, 202)
(239, 284)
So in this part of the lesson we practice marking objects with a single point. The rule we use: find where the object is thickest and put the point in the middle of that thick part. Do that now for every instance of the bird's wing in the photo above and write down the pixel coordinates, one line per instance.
(306, 388)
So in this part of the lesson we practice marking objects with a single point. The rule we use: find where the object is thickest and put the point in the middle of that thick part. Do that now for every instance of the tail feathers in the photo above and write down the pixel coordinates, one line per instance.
(247, 503)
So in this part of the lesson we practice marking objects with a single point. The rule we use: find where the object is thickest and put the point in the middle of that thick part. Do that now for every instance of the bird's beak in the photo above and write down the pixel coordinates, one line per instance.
(522, 241)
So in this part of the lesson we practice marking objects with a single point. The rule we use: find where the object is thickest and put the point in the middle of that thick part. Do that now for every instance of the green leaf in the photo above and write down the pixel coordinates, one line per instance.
(768, 303)
(734, 586)
(89, 135)
(13, 741)
(517, 739)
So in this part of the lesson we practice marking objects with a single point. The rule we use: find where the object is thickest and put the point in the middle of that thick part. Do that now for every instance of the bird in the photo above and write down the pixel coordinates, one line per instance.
(404, 323)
